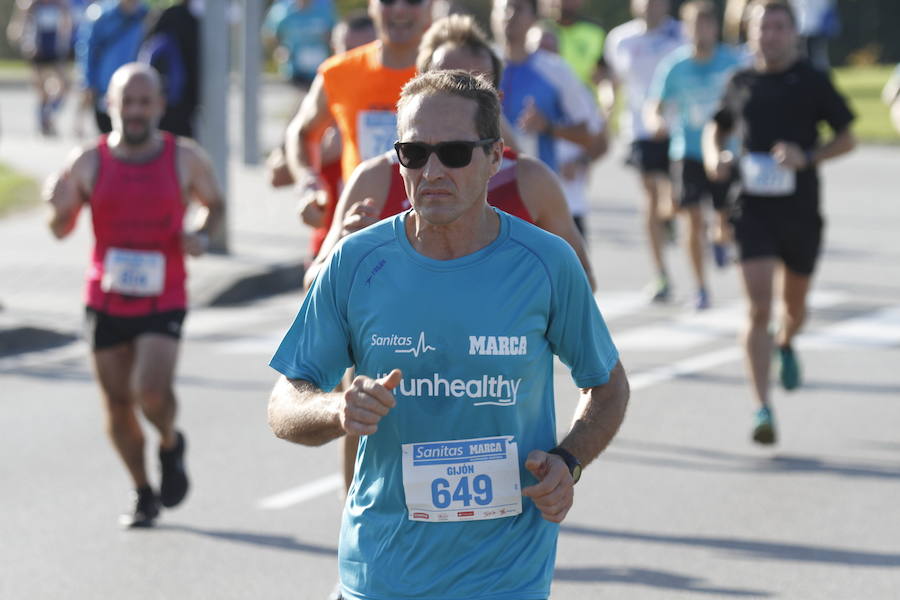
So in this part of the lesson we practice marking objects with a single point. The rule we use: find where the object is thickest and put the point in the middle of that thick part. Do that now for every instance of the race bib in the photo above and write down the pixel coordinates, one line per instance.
(762, 176)
(462, 480)
(376, 131)
(133, 272)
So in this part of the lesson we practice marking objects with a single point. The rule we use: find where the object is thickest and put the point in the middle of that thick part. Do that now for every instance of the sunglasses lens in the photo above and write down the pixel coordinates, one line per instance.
(455, 155)
(412, 155)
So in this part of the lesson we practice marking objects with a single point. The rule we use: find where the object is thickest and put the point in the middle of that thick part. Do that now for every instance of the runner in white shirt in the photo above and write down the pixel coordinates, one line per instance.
(633, 51)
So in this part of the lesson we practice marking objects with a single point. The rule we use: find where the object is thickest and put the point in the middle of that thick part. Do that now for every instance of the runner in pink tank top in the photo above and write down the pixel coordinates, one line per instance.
(137, 182)
(138, 209)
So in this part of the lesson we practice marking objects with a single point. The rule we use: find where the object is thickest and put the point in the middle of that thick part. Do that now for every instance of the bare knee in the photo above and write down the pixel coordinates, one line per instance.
(760, 314)
(154, 399)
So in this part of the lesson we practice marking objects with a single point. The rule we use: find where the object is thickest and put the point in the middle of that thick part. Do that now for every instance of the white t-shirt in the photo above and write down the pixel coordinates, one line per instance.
(633, 53)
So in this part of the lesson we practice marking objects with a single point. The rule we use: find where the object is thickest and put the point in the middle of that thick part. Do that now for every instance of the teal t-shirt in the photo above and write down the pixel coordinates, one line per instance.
(692, 90)
(475, 339)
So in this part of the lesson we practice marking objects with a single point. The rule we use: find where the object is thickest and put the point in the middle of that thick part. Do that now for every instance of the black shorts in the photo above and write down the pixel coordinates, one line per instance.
(650, 156)
(692, 185)
(104, 330)
(765, 227)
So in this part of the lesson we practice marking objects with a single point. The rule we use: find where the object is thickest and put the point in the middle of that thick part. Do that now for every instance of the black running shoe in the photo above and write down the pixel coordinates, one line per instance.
(146, 509)
(174, 486)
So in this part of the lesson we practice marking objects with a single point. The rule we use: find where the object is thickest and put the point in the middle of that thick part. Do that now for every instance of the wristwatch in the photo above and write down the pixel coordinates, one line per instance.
(573, 463)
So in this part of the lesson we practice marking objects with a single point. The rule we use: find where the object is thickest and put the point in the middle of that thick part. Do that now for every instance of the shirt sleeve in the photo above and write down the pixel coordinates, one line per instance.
(833, 108)
(316, 348)
(576, 330)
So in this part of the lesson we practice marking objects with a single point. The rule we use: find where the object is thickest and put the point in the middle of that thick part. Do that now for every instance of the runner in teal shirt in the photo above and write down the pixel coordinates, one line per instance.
(436, 509)
(692, 88)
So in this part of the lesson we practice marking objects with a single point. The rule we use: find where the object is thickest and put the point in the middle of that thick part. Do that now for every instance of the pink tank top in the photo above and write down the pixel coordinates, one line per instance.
(137, 212)
(503, 190)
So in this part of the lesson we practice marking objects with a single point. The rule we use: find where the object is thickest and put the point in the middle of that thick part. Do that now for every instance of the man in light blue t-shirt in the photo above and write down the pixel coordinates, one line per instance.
(451, 313)
(685, 92)
(302, 31)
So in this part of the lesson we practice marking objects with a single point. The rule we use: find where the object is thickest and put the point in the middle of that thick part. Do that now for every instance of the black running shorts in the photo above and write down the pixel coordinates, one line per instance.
(692, 185)
(763, 228)
(104, 330)
(650, 156)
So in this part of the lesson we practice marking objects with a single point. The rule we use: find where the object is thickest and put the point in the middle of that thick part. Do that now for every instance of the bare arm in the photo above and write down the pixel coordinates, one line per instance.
(600, 412)
(69, 190)
(311, 118)
(716, 161)
(792, 156)
(654, 118)
(202, 187)
(300, 412)
(544, 197)
(597, 419)
(360, 204)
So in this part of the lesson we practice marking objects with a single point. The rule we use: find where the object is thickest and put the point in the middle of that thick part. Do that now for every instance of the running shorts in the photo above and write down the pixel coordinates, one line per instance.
(692, 185)
(104, 330)
(650, 156)
(763, 228)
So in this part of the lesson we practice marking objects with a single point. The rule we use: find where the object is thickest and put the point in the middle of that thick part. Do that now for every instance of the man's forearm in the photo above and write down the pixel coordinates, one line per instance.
(299, 412)
(842, 143)
(597, 419)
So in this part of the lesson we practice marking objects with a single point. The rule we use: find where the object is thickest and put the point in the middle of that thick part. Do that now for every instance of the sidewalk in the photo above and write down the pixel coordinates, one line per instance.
(42, 278)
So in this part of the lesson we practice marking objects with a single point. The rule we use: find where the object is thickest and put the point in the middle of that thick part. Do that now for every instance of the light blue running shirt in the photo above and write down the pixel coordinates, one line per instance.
(693, 90)
(305, 33)
(475, 339)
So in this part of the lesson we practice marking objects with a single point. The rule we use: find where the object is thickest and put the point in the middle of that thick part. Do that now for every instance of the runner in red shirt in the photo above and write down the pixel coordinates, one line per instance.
(138, 182)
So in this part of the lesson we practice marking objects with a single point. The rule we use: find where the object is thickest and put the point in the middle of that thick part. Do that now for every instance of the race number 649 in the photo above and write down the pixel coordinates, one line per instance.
(481, 491)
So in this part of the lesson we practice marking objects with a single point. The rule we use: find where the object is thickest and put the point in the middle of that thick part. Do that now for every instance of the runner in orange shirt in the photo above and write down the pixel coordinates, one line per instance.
(359, 90)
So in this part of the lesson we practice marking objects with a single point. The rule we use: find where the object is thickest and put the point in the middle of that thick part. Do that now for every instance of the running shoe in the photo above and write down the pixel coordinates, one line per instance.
(702, 301)
(146, 509)
(174, 484)
(720, 255)
(764, 427)
(789, 372)
(658, 290)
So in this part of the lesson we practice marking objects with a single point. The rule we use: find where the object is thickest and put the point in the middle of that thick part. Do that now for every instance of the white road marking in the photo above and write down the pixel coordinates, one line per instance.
(30, 360)
(880, 329)
(302, 493)
(698, 328)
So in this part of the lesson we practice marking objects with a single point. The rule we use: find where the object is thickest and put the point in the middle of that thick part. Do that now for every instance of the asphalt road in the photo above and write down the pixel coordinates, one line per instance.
(682, 505)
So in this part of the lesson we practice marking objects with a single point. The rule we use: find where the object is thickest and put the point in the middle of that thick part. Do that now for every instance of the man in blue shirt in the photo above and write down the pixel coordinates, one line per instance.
(451, 313)
(686, 88)
(302, 30)
(538, 90)
(112, 36)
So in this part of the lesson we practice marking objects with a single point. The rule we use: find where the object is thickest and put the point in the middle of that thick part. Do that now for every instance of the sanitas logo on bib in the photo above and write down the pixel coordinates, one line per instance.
(494, 390)
(498, 345)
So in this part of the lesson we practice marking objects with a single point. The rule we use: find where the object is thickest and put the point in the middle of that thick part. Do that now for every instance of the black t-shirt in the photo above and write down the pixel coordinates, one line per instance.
(787, 106)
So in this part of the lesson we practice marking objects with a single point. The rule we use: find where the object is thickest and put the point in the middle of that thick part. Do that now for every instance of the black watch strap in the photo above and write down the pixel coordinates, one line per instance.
(573, 463)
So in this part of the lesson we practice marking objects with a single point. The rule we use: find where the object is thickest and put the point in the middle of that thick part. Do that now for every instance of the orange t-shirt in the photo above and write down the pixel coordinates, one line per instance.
(362, 95)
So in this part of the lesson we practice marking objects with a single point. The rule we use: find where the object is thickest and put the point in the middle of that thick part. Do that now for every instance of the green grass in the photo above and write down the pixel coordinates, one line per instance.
(17, 191)
(862, 86)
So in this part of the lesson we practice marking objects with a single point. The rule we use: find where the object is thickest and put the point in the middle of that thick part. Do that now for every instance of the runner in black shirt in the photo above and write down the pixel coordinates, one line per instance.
(776, 107)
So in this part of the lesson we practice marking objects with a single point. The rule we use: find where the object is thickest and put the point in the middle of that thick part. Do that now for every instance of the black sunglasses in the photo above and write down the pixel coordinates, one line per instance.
(410, 2)
(414, 155)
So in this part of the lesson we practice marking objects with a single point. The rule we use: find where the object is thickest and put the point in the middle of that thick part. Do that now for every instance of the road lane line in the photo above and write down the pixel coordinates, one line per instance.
(302, 493)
